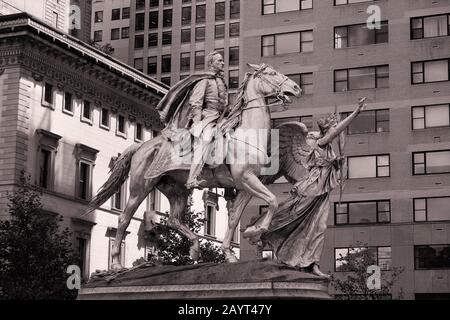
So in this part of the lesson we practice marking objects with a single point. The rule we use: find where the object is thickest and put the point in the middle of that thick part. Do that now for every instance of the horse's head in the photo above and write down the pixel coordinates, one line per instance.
(274, 84)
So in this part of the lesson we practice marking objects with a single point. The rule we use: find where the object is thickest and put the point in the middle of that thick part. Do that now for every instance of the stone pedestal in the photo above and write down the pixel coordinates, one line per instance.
(244, 280)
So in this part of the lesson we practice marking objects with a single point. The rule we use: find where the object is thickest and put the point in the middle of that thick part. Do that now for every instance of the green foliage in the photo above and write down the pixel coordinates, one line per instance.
(106, 48)
(353, 284)
(34, 254)
(172, 248)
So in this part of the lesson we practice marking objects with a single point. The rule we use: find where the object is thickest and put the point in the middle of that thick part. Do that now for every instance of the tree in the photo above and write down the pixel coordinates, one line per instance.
(34, 254)
(354, 285)
(172, 247)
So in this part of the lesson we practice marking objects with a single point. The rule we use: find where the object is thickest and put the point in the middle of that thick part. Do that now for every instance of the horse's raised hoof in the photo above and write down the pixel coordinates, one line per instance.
(253, 232)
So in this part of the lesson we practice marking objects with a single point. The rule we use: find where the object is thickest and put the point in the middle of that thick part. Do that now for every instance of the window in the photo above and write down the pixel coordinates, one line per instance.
(362, 212)
(233, 79)
(234, 29)
(220, 11)
(153, 20)
(98, 16)
(434, 116)
(304, 80)
(199, 60)
(152, 64)
(368, 167)
(200, 34)
(68, 102)
(235, 9)
(277, 6)
(430, 71)
(429, 257)
(432, 209)
(167, 18)
(121, 126)
(166, 63)
(185, 35)
(431, 162)
(47, 95)
(219, 31)
(429, 27)
(125, 32)
(45, 157)
(152, 39)
(154, 3)
(370, 121)
(86, 112)
(361, 78)
(138, 132)
(306, 120)
(140, 22)
(167, 37)
(118, 199)
(341, 2)
(84, 180)
(210, 220)
(186, 13)
(139, 41)
(185, 61)
(115, 14)
(360, 35)
(167, 2)
(200, 13)
(104, 116)
(380, 256)
(126, 13)
(48, 146)
(284, 43)
(82, 245)
(234, 56)
(140, 5)
(98, 36)
(139, 64)
(55, 19)
(115, 34)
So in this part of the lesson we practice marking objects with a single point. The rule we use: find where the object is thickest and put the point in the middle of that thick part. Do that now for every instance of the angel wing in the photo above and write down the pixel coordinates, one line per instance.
(293, 150)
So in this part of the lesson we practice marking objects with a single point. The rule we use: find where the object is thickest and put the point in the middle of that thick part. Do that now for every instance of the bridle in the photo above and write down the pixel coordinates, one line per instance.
(278, 91)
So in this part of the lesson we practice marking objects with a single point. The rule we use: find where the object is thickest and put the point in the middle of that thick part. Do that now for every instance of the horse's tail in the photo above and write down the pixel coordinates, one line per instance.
(119, 173)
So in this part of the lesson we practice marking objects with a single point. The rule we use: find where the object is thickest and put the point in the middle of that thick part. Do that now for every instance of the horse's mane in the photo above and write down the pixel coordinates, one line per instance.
(233, 118)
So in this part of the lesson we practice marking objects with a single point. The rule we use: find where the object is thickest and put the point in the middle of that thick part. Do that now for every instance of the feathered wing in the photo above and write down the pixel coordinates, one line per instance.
(293, 151)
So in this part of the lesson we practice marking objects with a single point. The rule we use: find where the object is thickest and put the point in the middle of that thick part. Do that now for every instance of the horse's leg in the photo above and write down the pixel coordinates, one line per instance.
(138, 192)
(255, 187)
(234, 216)
(178, 197)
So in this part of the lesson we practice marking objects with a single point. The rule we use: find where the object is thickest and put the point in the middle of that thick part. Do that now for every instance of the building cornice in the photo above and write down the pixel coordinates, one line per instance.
(25, 21)
(80, 68)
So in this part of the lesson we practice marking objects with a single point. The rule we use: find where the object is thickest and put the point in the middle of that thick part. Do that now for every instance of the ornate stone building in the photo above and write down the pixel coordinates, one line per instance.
(65, 110)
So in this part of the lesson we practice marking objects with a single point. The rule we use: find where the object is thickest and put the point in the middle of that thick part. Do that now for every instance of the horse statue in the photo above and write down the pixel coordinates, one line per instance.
(253, 113)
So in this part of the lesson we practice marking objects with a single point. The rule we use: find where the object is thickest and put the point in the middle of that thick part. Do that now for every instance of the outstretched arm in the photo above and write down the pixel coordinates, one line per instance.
(341, 126)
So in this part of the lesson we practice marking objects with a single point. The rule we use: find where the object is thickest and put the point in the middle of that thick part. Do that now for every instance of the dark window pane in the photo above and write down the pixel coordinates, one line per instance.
(185, 35)
(166, 64)
(200, 13)
(140, 21)
(153, 20)
(186, 15)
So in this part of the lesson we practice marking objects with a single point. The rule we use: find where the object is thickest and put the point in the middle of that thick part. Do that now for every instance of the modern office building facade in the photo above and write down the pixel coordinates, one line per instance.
(396, 199)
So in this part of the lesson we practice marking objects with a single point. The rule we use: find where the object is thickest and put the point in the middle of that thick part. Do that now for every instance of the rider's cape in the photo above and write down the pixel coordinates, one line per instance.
(174, 107)
(174, 112)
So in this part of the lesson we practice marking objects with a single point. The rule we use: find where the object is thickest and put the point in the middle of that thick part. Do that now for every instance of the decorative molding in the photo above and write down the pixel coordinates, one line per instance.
(37, 77)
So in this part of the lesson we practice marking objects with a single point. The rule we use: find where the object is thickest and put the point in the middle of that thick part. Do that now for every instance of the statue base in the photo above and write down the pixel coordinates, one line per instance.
(262, 279)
